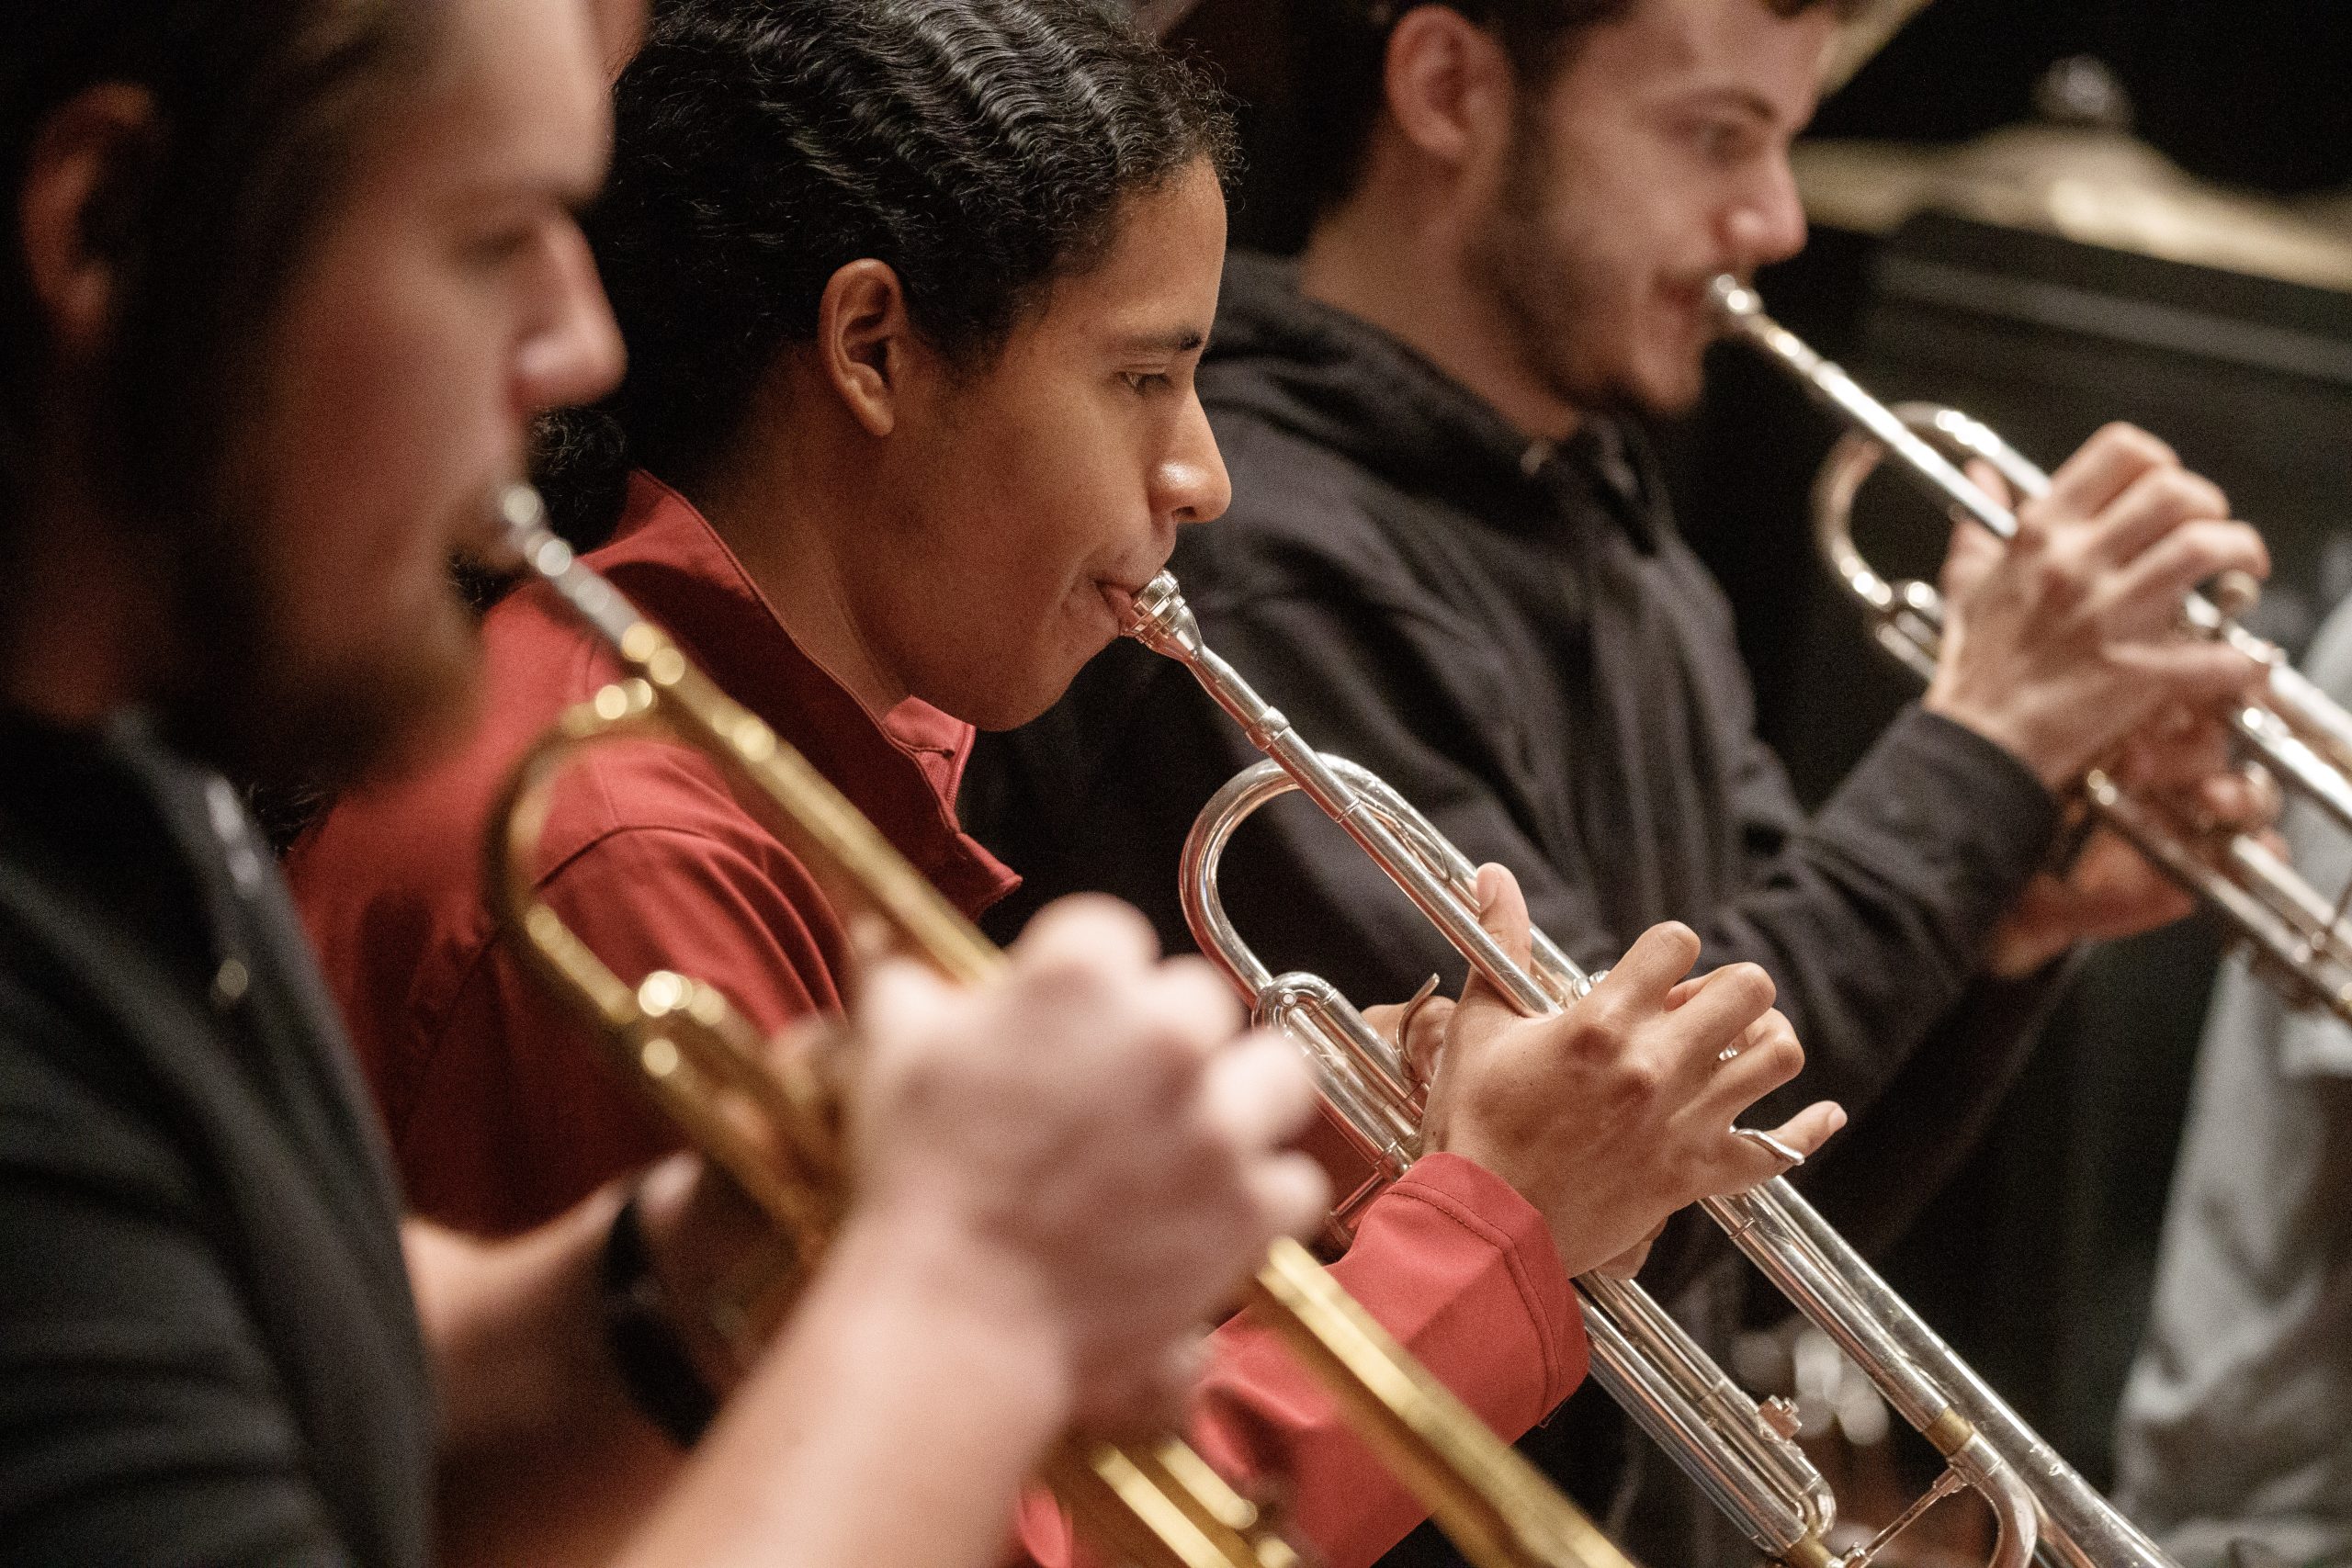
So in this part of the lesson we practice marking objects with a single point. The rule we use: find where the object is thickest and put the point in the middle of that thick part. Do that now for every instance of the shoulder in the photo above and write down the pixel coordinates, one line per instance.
(391, 881)
(1311, 525)
(80, 1110)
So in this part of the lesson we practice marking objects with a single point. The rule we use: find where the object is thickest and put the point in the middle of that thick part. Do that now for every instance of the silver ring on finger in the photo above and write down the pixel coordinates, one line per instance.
(1781, 1151)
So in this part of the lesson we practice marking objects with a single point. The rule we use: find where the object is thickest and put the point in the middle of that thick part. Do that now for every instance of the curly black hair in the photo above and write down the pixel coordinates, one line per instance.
(1339, 52)
(982, 148)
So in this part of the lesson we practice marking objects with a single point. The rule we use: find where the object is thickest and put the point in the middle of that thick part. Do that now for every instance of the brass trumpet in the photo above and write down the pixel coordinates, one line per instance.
(1738, 1453)
(1154, 1505)
(2291, 728)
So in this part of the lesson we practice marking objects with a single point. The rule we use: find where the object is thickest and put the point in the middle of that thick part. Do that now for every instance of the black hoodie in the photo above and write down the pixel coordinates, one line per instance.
(1513, 635)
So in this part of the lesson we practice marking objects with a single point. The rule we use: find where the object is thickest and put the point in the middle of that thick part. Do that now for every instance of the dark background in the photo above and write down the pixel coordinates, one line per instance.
(2036, 1263)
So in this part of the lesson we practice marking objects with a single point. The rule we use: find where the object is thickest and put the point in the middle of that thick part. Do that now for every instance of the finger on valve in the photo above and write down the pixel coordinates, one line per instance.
(2152, 513)
(1502, 910)
(2142, 597)
(2180, 747)
(1718, 1015)
(1651, 973)
(2247, 800)
(2101, 470)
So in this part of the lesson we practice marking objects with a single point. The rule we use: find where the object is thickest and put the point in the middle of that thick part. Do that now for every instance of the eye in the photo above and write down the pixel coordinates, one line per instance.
(1722, 141)
(1145, 382)
(497, 247)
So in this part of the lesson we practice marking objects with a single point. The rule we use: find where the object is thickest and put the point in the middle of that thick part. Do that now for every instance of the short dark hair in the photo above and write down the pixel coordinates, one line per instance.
(260, 105)
(982, 148)
(1340, 56)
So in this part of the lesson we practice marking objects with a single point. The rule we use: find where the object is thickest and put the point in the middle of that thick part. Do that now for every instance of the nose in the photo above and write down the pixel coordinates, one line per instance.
(1190, 484)
(571, 352)
(1767, 224)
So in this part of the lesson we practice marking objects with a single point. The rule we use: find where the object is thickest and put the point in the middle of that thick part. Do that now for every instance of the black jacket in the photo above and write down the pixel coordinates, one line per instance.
(1516, 638)
(208, 1348)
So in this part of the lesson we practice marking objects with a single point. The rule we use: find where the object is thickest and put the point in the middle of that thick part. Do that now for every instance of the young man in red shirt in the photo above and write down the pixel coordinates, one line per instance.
(914, 292)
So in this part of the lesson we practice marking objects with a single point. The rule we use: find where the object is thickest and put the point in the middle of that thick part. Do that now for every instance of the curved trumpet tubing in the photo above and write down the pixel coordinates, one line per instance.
(1739, 1454)
(2300, 938)
(772, 1126)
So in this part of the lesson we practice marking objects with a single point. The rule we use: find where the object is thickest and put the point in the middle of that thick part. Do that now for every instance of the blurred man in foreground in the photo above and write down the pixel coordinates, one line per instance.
(284, 284)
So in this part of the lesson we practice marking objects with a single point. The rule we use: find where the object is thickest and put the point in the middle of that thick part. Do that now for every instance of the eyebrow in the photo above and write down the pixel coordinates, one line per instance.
(1752, 103)
(1181, 340)
(573, 195)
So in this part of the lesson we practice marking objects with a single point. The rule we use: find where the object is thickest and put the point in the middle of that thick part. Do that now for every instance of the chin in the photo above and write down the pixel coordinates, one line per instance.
(1669, 387)
(1003, 711)
(1007, 705)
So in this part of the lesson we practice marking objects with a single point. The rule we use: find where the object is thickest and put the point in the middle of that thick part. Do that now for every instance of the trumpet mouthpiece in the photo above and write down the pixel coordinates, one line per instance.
(1732, 299)
(523, 532)
(1159, 619)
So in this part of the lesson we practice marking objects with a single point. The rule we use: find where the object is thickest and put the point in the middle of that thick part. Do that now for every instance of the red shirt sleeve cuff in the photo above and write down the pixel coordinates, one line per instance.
(1473, 1198)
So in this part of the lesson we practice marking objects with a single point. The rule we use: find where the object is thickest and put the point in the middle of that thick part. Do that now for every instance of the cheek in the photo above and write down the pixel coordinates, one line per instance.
(1024, 510)
(372, 488)
(1051, 485)
(361, 586)
(1016, 612)
(400, 393)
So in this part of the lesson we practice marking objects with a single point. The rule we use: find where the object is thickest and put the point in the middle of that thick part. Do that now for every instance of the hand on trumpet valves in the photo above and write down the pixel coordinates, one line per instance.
(1610, 1115)
(2181, 763)
(1088, 1149)
(2062, 642)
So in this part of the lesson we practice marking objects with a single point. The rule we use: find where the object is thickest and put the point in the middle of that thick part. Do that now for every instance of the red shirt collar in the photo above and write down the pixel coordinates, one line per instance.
(902, 769)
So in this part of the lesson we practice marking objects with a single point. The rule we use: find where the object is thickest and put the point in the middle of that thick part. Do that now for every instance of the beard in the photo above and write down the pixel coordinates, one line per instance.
(248, 700)
(1541, 264)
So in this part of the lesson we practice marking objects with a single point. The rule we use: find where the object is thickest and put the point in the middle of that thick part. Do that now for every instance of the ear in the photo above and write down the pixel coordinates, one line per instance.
(865, 343)
(1448, 86)
(80, 183)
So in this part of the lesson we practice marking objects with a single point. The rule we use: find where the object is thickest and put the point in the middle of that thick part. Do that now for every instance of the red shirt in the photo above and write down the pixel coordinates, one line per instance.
(501, 1113)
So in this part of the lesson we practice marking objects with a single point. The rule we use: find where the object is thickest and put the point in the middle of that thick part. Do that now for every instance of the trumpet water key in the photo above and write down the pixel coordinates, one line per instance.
(2294, 731)
(1738, 1453)
(1154, 1505)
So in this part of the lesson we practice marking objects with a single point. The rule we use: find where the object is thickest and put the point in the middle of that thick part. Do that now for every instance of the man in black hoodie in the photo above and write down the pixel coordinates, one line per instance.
(1449, 558)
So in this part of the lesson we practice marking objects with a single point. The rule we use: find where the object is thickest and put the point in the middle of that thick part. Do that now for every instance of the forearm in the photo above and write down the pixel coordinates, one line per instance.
(1874, 916)
(894, 1423)
(895, 1350)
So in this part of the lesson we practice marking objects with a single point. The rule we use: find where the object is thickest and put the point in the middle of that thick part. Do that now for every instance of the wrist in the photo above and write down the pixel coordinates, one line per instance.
(2055, 766)
(987, 1296)
(643, 1332)
(2019, 949)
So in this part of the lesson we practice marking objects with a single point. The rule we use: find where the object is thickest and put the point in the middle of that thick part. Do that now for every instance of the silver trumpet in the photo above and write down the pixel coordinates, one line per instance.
(1740, 1454)
(2291, 730)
